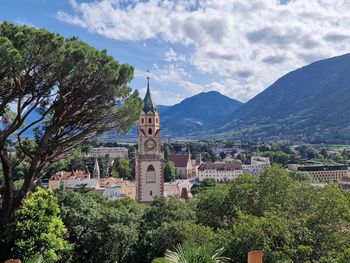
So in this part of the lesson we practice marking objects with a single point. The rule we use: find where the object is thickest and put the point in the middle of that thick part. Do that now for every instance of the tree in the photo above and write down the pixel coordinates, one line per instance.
(102, 230)
(301, 176)
(281, 158)
(275, 189)
(122, 167)
(222, 155)
(167, 152)
(39, 228)
(162, 211)
(244, 194)
(74, 91)
(212, 208)
(169, 171)
(191, 253)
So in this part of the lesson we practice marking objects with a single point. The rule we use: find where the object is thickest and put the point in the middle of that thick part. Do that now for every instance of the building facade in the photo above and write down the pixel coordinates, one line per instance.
(183, 165)
(323, 173)
(220, 172)
(149, 158)
(113, 152)
(257, 165)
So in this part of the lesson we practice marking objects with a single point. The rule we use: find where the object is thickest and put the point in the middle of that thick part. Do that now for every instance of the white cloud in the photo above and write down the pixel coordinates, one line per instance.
(246, 44)
(171, 56)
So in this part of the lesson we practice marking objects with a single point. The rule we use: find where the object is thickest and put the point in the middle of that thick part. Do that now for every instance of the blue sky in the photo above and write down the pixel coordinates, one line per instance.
(236, 47)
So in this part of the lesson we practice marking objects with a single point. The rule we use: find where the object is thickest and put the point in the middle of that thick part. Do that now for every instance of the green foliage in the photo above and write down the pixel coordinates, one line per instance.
(301, 176)
(290, 221)
(62, 91)
(244, 195)
(191, 253)
(122, 168)
(169, 171)
(102, 231)
(38, 258)
(275, 189)
(211, 207)
(158, 218)
(39, 228)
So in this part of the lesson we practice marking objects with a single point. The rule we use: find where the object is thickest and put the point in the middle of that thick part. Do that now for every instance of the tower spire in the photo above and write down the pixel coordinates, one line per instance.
(148, 104)
(96, 171)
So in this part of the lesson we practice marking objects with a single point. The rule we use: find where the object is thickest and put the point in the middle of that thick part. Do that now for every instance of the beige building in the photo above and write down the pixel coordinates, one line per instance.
(220, 172)
(149, 158)
(174, 189)
(185, 167)
(322, 173)
(113, 152)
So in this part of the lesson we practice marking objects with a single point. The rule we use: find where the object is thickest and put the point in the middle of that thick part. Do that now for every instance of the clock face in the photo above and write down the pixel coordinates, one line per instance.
(150, 144)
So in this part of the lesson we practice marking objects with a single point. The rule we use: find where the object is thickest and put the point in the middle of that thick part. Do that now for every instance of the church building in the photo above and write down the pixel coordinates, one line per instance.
(149, 158)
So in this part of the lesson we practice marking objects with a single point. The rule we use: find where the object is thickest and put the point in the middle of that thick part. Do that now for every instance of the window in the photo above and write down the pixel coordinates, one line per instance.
(149, 120)
(150, 131)
(142, 120)
(150, 193)
(150, 174)
(156, 120)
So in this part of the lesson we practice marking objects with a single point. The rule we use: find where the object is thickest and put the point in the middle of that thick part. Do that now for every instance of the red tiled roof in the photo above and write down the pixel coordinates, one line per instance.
(180, 160)
(220, 166)
(61, 175)
(108, 181)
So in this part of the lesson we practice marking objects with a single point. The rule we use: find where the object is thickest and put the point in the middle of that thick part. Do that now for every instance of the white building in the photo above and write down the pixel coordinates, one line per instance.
(113, 152)
(230, 169)
(221, 172)
(113, 193)
(257, 165)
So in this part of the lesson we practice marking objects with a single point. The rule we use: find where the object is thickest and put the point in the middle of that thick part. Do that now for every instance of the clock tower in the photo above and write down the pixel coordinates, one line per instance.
(149, 158)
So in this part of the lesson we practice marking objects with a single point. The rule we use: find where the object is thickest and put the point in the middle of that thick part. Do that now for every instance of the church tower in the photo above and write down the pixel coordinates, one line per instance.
(149, 158)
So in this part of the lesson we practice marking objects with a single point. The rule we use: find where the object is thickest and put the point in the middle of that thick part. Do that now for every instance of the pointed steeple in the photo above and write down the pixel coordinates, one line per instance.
(96, 171)
(148, 104)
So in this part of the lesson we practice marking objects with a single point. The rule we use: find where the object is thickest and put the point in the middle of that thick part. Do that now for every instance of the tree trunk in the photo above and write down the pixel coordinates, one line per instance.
(34, 169)
(8, 197)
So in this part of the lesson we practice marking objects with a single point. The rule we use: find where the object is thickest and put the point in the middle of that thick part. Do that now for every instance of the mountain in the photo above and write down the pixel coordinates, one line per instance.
(313, 100)
(163, 108)
(199, 112)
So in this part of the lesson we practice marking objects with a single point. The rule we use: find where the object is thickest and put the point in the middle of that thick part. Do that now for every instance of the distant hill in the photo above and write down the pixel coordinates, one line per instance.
(201, 111)
(163, 108)
(312, 101)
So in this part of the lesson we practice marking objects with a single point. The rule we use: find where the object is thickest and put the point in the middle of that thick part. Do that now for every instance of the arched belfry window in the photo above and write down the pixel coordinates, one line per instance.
(156, 120)
(149, 120)
(142, 120)
(150, 131)
(150, 174)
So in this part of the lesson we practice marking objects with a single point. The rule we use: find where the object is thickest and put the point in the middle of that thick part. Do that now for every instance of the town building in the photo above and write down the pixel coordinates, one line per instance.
(220, 171)
(186, 168)
(55, 180)
(149, 166)
(322, 173)
(113, 193)
(174, 189)
(112, 152)
(183, 165)
(229, 169)
(257, 165)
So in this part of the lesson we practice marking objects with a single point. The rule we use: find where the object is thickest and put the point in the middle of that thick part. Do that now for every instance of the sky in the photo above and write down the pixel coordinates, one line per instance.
(236, 47)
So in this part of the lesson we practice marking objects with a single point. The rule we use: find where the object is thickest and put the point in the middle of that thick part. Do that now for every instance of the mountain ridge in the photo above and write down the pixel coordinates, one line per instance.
(313, 98)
